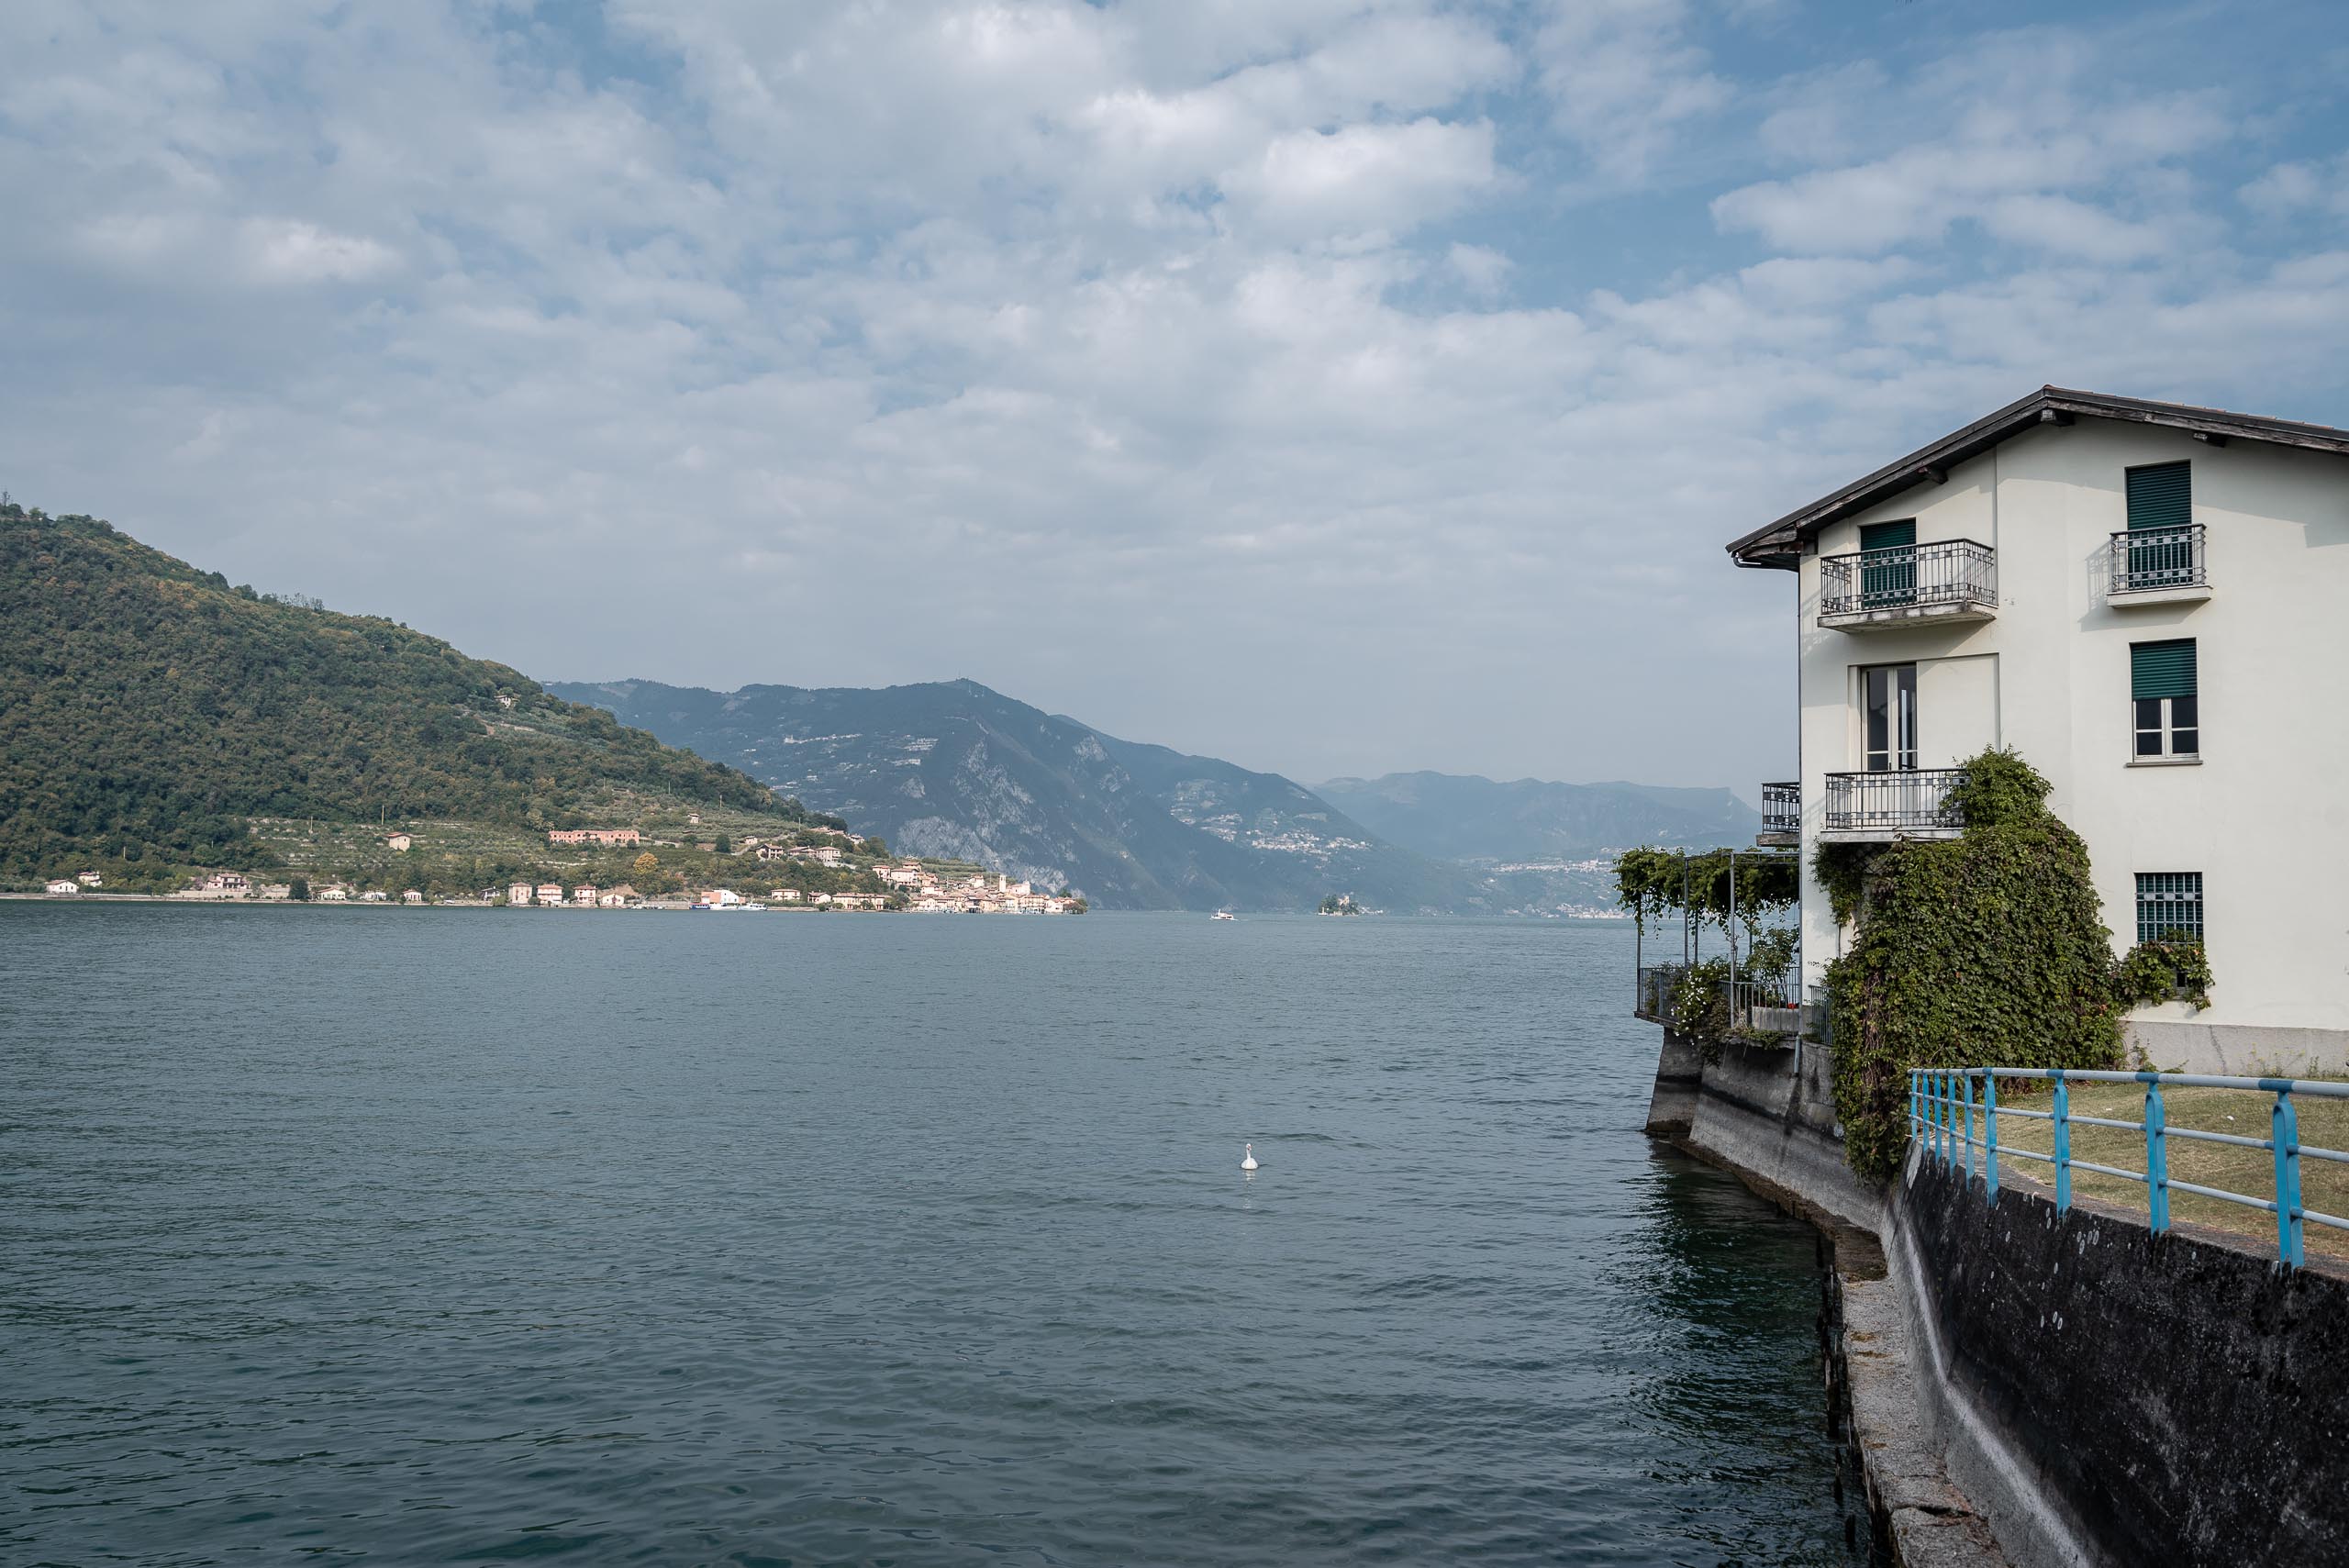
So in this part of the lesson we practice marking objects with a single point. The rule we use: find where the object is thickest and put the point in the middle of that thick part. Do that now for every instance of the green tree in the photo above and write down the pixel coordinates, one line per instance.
(298, 888)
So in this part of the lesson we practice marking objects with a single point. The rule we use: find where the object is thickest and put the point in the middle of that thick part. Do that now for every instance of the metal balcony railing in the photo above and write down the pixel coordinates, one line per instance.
(1957, 574)
(1782, 807)
(1656, 983)
(1911, 800)
(1748, 993)
(2146, 560)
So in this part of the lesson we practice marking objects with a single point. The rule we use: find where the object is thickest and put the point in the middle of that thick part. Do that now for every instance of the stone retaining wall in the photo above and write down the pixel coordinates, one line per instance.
(2181, 1399)
(2087, 1393)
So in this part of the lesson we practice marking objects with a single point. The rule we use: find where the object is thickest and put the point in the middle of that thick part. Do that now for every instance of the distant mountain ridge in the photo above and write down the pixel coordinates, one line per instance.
(953, 768)
(1470, 818)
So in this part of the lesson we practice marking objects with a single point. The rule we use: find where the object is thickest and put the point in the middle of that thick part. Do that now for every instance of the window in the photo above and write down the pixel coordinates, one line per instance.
(1888, 564)
(2160, 496)
(2166, 703)
(2169, 904)
(2161, 513)
(1889, 715)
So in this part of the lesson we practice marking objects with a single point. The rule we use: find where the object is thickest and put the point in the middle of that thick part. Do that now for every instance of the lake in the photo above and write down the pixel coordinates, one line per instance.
(472, 1236)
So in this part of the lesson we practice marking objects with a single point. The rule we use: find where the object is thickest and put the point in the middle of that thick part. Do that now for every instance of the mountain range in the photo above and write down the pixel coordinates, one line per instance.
(955, 768)
(153, 719)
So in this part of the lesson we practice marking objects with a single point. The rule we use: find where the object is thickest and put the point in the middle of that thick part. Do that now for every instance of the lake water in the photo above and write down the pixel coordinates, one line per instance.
(451, 1236)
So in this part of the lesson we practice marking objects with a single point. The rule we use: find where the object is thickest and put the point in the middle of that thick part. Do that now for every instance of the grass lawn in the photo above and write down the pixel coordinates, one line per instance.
(2324, 1183)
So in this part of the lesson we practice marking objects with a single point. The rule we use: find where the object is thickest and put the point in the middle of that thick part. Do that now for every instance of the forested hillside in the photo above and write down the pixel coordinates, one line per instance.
(148, 709)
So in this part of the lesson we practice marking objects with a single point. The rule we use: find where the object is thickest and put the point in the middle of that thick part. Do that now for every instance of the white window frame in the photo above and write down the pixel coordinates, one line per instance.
(2169, 729)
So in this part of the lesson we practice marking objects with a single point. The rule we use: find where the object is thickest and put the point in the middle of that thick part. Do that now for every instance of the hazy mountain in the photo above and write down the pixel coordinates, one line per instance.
(1464, 817)
(952, 768)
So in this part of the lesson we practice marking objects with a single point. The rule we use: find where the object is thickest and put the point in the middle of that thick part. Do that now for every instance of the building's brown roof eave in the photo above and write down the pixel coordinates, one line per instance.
(1779, 545)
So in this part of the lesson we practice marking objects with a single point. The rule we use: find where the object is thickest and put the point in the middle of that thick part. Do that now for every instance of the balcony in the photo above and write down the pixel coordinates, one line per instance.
(2157, 566)
(1781, 816)
(1751, 1004)
(1872, 590)
(1877, 808)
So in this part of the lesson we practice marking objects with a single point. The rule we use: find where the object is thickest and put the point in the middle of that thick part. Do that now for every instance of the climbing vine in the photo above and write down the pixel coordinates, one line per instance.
(1718, 888)
(1988, 947)
(2171, 968)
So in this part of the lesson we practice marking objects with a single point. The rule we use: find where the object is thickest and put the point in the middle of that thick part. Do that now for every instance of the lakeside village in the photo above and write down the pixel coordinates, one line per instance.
(819, 870)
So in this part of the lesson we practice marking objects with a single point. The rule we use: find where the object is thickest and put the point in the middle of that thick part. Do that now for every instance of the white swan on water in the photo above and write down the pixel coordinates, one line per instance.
(1248, 1159)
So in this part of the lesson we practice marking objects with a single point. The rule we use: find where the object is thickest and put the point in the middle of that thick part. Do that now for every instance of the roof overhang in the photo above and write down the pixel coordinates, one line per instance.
(1779, 545)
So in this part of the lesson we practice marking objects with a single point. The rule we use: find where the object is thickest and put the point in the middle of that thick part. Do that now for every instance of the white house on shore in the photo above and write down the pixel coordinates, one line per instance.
(2144, 600)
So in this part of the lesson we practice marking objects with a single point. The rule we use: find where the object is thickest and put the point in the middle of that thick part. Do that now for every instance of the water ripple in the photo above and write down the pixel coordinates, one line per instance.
(480, 1237)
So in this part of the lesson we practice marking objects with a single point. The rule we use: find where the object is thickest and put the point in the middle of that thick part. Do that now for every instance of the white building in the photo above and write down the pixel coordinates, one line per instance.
(2142, 599)
(66, 886)
(519, 893)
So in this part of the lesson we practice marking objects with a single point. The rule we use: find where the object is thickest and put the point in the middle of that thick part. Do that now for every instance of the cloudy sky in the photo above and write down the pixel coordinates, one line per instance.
(1333, 385)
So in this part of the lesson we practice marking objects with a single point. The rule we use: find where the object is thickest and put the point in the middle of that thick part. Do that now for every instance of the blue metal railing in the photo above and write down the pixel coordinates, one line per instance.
(1943, 1108)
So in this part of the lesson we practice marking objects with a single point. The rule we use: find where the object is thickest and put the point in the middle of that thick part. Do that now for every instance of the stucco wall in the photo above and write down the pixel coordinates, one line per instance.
(2261, 816)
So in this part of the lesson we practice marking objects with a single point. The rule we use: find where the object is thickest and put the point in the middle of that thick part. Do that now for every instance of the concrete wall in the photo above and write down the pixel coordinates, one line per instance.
(2050, 676)
(2180, 1400)
(1769, 1115)
(2045, 1390)
(1679, 1072)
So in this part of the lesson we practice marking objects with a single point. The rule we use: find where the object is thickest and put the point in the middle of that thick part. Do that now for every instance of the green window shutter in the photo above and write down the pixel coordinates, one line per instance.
(2162, 669)
(2160, 496)
(1889, 565)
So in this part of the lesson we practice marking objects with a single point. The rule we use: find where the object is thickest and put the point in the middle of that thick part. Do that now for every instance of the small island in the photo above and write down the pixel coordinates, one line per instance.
(1339, 904)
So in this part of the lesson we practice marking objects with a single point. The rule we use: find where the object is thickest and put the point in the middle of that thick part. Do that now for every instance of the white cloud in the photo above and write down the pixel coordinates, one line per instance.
(1482, 269)
(291, 251)
(1115, 343)
(1624, 79)
(2031, 136)
(2071, 228)
(2318, 185)
(1363, 177)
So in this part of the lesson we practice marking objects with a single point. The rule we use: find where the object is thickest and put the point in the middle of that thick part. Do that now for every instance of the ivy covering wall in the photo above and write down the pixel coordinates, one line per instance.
(1988, 947)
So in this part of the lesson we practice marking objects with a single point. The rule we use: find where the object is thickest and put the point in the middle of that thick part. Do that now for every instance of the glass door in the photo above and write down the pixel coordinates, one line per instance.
(1888, 717)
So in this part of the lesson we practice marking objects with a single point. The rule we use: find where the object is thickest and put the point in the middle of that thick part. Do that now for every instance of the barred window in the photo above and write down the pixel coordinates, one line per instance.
(2169, 904)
